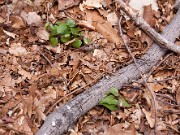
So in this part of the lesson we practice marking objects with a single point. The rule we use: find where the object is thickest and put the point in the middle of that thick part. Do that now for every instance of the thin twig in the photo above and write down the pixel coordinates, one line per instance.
(142, 24)
(166, 96)
(137, 66)
(79, 89)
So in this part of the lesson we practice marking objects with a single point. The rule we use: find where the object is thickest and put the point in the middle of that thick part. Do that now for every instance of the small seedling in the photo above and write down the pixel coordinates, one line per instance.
(63, 32)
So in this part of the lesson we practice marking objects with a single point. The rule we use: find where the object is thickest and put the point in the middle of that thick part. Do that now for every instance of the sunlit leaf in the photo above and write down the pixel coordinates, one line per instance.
(86, 40)
(71, 23)
(54, 41)
(77, 43)
(109, 100)
(65, 39)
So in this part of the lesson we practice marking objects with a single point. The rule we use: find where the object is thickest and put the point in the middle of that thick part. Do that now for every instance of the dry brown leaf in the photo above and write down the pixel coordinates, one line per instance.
(17, 22)
(119, 130)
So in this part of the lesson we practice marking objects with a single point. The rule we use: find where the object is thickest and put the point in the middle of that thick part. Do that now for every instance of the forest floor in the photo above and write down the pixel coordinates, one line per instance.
(34, 75)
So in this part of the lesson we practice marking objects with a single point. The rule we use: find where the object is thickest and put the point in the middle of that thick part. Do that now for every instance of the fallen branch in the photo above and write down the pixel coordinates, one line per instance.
(141, 23)
(64, 117)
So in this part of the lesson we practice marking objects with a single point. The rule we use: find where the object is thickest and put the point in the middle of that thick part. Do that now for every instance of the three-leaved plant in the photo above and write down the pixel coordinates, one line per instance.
(68, 31)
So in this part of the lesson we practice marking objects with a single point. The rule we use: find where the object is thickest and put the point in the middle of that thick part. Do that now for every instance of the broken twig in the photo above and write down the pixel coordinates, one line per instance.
(142, 24)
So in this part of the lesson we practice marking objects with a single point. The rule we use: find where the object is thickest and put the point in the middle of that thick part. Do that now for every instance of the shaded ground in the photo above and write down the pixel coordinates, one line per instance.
(34, 75)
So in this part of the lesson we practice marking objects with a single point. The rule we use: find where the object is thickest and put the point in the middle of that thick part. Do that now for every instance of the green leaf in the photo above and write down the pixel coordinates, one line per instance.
(123, 102)
(77, 43)
(53, 30)
(86, 40)
(110, 107)
(54, 41)
(75, 31)
(113, 91)
(109, 100)
(70, 22)
(62, 28)
(65, 39)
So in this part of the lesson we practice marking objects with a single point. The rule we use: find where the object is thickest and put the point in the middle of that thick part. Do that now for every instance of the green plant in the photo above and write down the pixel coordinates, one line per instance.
(63, 32)
(111, 101)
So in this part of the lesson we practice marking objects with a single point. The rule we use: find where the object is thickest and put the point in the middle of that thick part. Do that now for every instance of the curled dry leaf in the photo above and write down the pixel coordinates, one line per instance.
(17, 50)
(13, 35)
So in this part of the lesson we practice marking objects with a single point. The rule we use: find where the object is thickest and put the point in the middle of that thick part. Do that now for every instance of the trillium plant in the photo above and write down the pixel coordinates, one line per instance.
(68, 31)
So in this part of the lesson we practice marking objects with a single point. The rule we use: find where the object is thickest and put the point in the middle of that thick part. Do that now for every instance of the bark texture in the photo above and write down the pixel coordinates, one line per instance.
(60, 120)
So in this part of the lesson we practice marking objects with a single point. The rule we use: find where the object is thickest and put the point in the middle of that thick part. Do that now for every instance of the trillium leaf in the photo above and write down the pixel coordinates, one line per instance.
(71, 23)
(113, 91)
(77, 43)
(62, 28)
(54, 41)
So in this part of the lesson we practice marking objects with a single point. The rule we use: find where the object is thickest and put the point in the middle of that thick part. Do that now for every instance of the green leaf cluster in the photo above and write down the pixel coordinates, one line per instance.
(111, 100)
(62, 32)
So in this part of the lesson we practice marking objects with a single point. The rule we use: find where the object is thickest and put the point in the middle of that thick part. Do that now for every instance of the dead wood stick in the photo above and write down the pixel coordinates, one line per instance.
(142, 24)
(64, 117)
